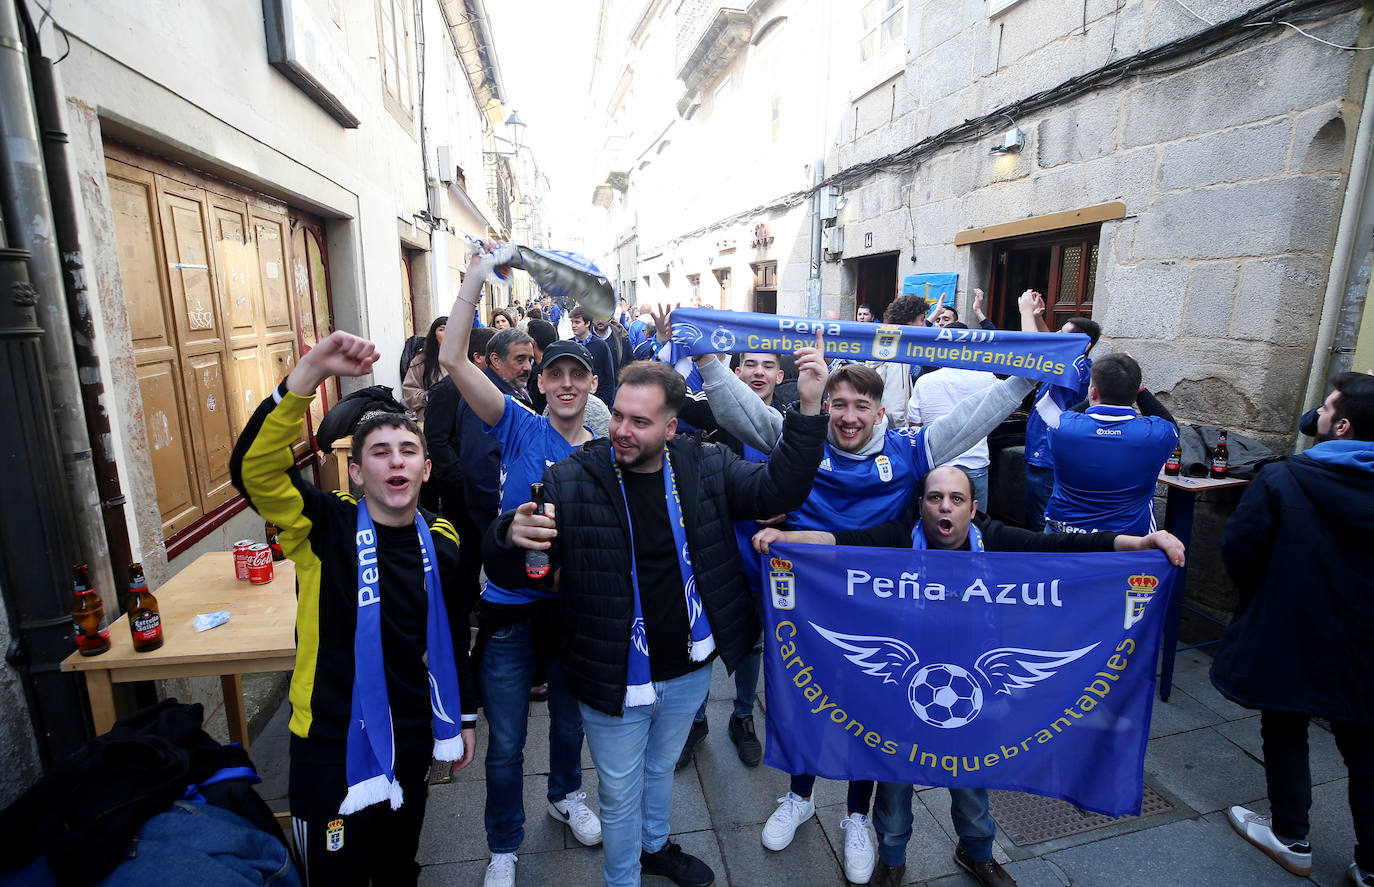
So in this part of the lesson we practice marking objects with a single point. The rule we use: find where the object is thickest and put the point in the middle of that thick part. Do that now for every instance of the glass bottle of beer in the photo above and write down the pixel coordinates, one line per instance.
(1221, 458)
(145, 623)
(274, 540)
(537, 562)
(1174, 462)
(88, 614)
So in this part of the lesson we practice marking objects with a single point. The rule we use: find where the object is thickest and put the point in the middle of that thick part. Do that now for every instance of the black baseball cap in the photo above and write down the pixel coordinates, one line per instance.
(567, 348)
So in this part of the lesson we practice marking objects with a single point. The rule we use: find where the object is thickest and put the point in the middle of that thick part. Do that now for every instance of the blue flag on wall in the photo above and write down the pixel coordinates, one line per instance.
(1029, 672)
(1046, 356)
(936, 287)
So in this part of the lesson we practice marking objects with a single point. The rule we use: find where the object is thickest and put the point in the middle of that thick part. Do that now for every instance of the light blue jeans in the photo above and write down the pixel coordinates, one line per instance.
(634, 756)
(968, 807)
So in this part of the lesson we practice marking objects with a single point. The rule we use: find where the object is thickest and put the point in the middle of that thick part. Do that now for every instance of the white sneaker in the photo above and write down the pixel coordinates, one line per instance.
(500, 871)
(782, 825)
(1258, 829)
(573, 810)
(1359, 877)
(859, 857)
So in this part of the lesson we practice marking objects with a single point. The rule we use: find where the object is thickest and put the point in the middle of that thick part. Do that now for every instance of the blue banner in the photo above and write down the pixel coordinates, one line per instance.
(1029, 672)
(1045, 356)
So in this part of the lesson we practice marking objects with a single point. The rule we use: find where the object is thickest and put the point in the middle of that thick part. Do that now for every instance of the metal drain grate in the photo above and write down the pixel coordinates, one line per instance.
(1031, 819)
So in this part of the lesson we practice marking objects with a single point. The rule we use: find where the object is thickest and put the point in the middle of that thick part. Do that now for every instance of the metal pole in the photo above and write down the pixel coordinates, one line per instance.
(813, 283)
(43, 529)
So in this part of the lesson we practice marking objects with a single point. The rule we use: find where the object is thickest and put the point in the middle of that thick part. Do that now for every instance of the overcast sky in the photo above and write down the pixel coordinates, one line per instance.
(545, 50)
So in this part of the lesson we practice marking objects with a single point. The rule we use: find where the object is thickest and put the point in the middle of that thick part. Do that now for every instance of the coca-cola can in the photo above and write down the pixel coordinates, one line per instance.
(259, 564)
(241, 558)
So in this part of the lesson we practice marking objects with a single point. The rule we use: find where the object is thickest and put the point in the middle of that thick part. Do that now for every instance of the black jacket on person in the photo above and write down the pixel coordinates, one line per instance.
(1300, 545)
(603, 364)
(593, 547)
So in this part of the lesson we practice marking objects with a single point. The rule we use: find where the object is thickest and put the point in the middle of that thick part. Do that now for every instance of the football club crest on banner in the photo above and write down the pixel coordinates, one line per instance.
(781, 583)
(1002, 670)
(1141, 590)
(333, 835)
(885, 342)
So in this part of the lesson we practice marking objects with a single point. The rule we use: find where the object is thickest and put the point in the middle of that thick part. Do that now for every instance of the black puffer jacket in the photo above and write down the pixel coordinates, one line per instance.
(593, 547)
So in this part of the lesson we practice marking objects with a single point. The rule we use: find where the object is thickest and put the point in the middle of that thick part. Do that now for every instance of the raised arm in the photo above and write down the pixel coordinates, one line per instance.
(481, 394)
(737, 409)
(974, 418)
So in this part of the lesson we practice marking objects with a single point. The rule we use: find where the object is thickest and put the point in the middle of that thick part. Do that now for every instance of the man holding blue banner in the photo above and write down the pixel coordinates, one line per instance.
(942, 695)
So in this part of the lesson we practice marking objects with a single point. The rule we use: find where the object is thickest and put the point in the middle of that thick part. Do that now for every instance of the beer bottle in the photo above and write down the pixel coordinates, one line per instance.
(274, 540)
(537, 562)
(1220, 458)
(145, 623)
(1174, 462)
(88, 614)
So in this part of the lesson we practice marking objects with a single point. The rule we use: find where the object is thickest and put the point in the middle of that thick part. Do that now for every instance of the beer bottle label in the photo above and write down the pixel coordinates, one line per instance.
(146, 625)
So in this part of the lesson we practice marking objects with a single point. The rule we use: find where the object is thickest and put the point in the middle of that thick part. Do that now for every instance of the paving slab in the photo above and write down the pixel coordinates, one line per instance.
(1322, 755)
(1027, 873)
(1190, 675)
(1193, 851)
(454, 829)
(737, 795)
(1332, 834)
(1183, 712)
(809, 860)
(1204, 769)
(537, 742)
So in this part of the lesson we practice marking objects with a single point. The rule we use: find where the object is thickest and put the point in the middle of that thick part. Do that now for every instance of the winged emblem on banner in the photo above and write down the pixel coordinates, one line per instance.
(945, 694)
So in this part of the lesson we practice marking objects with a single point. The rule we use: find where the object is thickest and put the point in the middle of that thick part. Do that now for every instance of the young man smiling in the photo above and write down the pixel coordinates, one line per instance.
(948, 520)
(868, 476)
(379, 677)
(517, 624)
(652, 588)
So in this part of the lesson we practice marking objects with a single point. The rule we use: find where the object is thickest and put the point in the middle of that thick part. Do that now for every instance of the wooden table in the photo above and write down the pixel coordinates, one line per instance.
(1179, 504)
(259, 636)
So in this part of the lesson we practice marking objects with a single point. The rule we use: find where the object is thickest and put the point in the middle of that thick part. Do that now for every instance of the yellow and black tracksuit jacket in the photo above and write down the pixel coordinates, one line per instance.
(317, 533)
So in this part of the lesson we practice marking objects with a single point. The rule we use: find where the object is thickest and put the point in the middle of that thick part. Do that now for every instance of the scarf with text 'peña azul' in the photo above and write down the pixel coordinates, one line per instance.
(370, 759)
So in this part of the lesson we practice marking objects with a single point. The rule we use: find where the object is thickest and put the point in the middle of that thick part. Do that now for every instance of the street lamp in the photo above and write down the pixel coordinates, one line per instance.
(516, 127)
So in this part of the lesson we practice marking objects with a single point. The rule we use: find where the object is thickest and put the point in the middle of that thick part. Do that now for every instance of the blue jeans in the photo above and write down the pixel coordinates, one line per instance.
(968, 807)
(746, 683)
(1039, 486)
(979, 477)
(505, 674)
(634, 756)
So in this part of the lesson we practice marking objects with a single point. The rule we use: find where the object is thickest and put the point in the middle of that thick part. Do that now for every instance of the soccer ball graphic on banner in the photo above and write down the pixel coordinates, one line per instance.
(945, 695)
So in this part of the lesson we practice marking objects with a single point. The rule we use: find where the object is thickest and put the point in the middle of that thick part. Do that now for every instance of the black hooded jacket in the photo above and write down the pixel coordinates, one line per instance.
(593, 547)
(1301, 547)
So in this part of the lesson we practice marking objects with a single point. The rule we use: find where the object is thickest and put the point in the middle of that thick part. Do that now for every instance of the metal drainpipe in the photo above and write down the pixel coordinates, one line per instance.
(813, 283)
(69, 500)
(61, 185)
(1346, 234)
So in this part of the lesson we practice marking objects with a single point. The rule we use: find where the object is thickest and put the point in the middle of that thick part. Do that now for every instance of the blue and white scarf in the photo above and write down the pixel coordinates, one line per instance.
(370, 762)
(639, 683)
(919, 541)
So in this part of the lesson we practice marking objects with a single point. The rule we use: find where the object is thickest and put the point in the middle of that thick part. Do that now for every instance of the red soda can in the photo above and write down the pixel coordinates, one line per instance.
(241, 558)
(259, 564)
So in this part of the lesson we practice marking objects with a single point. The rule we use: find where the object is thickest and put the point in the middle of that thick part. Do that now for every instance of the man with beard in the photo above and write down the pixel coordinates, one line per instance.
(1301, 644)
(652, 588)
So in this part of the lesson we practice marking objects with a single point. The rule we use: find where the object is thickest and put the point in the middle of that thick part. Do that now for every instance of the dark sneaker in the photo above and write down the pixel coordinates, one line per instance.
(694, 736)
(989, 874)
(745, 740)
(539, 693)
(885, 875)
(680, 868)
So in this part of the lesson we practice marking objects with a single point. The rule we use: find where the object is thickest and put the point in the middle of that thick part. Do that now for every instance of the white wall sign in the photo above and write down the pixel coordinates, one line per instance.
(304, 49)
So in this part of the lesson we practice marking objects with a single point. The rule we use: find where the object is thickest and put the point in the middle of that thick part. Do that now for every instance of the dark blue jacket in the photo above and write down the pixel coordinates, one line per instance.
(603, 364)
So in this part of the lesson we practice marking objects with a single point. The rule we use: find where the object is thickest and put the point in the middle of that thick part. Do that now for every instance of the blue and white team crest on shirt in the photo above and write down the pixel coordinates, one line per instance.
(333, 835)
(884, 465)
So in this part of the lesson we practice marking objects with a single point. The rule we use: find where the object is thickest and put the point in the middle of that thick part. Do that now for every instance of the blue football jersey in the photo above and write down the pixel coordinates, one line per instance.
(1055, 400)
(850, 493)
(1106, 462)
